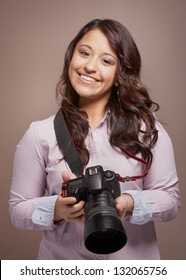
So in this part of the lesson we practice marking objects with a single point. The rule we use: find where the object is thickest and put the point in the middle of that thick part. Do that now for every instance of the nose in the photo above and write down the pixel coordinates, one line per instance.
(91, 65)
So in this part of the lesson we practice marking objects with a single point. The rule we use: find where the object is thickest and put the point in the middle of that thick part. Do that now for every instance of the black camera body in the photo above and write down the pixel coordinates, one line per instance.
(104, 232)
(95, 181)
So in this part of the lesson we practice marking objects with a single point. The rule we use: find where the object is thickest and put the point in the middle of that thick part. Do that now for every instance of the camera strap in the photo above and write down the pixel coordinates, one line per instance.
(66, 145)
(71, 155)
(136, 177)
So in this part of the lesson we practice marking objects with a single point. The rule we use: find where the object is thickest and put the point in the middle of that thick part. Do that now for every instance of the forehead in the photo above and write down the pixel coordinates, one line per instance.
(97, 40)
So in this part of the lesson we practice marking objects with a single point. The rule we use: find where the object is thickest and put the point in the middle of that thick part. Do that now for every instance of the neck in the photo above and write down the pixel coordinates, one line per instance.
(94, 110)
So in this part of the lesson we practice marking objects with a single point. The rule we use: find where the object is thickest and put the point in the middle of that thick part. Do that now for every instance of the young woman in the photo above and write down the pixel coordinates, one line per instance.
(111, 120)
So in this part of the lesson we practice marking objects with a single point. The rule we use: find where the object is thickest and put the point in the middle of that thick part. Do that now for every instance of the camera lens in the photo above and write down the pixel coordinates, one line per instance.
(104, 231)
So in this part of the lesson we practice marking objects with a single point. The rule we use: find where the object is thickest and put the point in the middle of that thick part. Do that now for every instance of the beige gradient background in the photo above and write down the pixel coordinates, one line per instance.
(34, 36)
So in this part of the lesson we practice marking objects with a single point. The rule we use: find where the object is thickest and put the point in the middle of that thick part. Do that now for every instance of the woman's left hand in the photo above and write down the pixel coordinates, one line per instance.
(124, 204)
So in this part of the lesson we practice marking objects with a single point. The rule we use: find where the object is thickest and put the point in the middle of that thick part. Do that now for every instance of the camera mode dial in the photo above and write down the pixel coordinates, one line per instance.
(108, 174)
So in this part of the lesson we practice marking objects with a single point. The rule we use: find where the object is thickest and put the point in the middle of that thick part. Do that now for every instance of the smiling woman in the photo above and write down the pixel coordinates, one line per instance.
(92, 73)
(111, 120)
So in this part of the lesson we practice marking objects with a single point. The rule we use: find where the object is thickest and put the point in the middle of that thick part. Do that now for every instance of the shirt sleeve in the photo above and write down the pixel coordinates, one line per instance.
(44, 213)
(29, 207)
(159, 200)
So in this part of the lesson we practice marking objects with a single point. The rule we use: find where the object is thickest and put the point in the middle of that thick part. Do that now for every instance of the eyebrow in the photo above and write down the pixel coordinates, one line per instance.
(105, 53)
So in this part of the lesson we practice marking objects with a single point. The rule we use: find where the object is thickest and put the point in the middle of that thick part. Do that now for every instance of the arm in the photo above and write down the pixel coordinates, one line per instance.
(159, 200)
(29, 207)
(28, 185)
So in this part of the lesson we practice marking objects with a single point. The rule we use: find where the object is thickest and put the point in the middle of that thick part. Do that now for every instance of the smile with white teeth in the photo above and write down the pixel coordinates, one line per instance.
(87, 78)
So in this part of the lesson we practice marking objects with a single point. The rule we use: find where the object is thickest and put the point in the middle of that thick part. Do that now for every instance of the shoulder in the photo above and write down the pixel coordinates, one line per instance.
(162, 133)
(40, 134)
(43, 131)
(43, 127)
(164, 142)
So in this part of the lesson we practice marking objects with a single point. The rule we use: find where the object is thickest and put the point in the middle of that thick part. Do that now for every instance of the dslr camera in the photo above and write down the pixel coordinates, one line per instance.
(103, 232)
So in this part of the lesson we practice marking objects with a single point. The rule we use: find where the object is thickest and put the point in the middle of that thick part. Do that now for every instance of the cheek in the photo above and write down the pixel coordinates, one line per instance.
(74, 66)
(71, 71)
(76, 62)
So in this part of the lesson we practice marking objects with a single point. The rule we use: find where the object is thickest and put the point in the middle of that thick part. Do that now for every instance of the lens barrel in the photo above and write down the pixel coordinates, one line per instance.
(104, 232)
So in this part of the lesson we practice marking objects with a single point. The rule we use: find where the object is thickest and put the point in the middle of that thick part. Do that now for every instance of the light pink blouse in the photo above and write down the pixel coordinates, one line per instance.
(37, 169)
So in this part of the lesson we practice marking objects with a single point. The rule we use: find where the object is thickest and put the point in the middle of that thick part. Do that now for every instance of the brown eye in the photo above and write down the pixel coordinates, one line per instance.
(84, 53)
(107, 61)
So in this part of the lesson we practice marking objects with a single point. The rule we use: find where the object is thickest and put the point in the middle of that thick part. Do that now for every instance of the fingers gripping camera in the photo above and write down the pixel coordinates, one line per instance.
(104, 232)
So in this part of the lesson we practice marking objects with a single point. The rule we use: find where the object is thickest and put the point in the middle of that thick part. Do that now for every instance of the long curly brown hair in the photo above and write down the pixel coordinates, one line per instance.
(132, 121)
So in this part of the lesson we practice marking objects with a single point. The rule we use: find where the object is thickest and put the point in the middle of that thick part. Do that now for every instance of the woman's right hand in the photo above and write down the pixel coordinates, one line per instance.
(66, 208)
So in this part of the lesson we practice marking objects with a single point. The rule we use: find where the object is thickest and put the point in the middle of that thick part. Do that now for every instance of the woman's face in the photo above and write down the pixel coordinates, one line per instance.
(92, 70)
